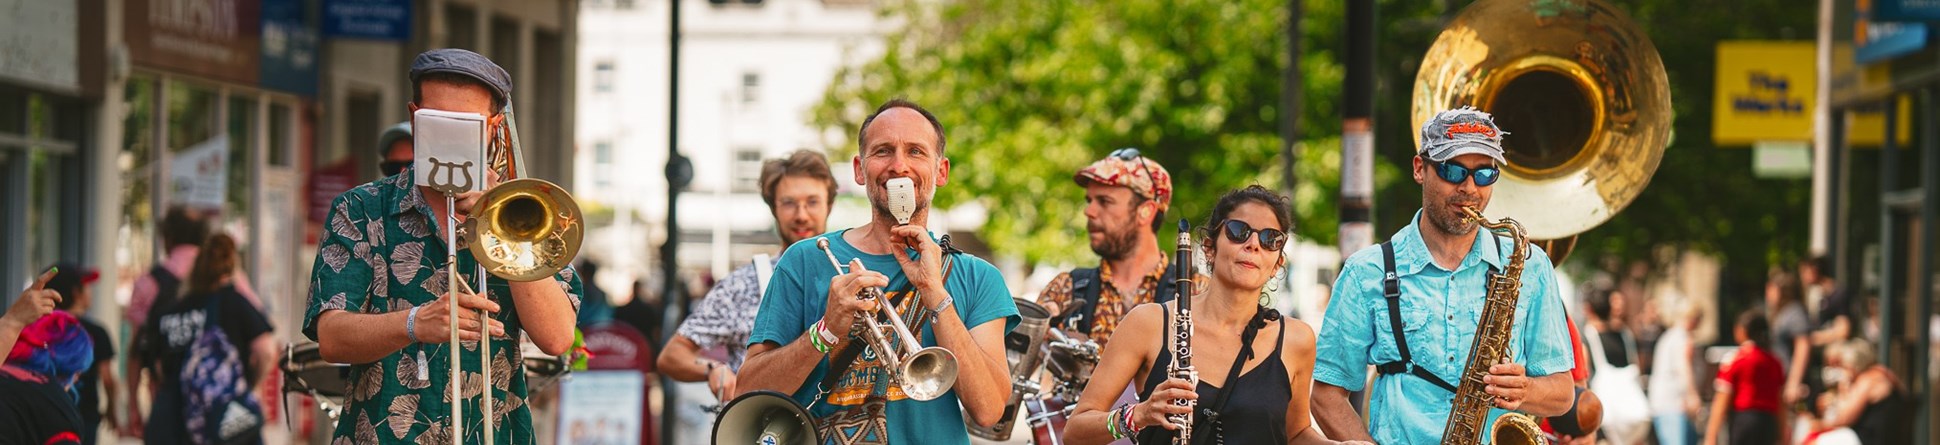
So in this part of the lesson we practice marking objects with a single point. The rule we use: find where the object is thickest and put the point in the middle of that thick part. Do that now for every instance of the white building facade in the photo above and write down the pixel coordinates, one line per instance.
(750, 71)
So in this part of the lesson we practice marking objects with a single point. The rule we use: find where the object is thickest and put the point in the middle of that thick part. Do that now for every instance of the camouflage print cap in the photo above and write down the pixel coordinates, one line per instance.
(1125, 167)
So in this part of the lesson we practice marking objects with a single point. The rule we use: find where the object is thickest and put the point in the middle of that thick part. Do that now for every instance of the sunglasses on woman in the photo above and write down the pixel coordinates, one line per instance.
(1455, 173)
(1270, 239)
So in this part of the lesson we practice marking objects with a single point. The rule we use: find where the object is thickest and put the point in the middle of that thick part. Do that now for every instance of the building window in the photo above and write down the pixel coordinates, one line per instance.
(750, 88)
(602, 164)
(603, 77)
(747, 170)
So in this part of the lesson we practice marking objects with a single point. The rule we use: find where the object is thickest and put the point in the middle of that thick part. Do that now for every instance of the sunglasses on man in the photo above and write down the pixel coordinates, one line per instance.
(1455, 173)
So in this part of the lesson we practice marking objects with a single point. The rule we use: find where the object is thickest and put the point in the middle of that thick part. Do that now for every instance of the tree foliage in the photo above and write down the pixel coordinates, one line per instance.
(1029, 91)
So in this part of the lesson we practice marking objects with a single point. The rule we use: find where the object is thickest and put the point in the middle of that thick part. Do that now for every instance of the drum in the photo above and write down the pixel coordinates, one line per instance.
(1046, 417)
(1024, 349)
(1070, 362)
(1030, 333)
(305, 371)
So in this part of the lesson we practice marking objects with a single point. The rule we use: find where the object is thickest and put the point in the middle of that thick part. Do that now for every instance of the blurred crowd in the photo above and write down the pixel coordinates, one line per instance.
(1785, 372)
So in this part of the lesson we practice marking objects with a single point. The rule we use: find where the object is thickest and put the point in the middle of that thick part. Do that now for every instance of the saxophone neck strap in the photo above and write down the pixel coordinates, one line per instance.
(1391, 291)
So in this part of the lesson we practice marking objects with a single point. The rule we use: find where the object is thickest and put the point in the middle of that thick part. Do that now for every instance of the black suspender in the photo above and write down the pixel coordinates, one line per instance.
(1391, 291)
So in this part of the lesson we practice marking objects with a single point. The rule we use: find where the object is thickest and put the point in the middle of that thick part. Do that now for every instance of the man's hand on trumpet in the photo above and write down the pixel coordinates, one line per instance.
(843, 291)
(434, 320)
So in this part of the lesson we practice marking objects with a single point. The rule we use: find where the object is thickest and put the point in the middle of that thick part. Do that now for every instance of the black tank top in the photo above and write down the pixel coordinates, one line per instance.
(1887, 421)
(1255, 412)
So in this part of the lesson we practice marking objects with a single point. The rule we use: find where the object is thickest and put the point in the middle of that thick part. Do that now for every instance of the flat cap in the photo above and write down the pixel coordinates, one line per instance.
(464, 63)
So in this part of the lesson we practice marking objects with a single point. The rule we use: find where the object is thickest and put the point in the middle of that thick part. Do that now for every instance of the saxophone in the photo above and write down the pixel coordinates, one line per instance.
(1182, 333)
(1472, 403)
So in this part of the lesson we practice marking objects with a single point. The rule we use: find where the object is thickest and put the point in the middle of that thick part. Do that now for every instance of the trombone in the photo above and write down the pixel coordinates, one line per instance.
(524, 229)
(924, 374)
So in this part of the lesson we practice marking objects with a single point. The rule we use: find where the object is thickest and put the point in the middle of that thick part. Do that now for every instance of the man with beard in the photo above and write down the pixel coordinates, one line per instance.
(1126, 196)
(803, 343)
(1410, 306)
(800, 192)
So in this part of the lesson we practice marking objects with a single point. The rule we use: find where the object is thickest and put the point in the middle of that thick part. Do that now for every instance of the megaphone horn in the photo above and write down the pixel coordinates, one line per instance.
(765, 418)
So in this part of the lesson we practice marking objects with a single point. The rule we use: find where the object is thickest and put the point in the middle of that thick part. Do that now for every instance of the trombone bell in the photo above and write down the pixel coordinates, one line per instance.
(526, 230)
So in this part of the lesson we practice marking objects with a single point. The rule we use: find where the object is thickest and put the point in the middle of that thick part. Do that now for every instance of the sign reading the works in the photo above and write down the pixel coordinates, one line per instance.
(1764, 92)
(218, 39)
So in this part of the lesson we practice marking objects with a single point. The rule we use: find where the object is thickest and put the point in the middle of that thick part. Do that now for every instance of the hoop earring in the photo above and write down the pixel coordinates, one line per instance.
(1272, 286)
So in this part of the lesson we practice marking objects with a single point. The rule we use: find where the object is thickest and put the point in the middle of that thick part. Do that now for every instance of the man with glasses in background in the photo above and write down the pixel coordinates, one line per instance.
(1126, 196)
(1410, 307)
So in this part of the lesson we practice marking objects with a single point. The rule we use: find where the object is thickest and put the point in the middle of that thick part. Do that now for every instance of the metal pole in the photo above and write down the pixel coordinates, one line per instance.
(669, 248)
(1923, 295)
(1357, 131)
(1888, 183)
(1290, 100)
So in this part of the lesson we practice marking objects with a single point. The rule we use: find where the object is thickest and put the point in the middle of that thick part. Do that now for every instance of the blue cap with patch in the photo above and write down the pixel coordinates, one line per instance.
(1461, 131)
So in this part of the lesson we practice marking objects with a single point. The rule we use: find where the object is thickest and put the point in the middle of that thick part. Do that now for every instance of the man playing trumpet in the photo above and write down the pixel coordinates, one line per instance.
(379, 294)
(949, 300)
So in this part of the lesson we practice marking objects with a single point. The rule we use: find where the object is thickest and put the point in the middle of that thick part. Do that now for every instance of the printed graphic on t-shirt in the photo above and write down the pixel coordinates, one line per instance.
(870, 374)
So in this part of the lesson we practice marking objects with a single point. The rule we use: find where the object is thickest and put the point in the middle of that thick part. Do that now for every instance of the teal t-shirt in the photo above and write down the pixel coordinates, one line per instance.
(798, 295)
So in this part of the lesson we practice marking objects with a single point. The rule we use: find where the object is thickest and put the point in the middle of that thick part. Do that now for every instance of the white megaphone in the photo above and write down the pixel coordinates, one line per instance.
(765, 418)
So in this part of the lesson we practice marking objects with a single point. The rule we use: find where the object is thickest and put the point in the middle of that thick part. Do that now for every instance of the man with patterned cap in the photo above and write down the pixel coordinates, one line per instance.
(1126, 196)
(1410, 307)
(379, 300)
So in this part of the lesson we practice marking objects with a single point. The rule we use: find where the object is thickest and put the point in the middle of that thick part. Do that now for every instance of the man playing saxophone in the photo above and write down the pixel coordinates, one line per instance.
(803, 343)
(1412, 307)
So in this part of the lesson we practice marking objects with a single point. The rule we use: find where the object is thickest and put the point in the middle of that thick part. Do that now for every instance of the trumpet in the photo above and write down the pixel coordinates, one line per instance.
(924, 374)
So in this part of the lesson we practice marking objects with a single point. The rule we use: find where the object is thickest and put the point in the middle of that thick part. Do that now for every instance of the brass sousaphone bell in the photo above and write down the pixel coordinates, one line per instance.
(1581, 89)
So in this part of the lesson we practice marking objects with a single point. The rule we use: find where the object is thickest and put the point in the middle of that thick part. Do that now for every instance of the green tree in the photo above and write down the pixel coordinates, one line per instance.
(1029, 91)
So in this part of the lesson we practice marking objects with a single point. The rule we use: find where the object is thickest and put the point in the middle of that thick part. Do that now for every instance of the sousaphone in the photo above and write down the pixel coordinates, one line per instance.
(1583, 94)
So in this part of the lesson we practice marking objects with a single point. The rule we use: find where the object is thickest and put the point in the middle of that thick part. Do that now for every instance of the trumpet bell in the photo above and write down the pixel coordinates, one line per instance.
(1580, 88)
(525, 230)
(929, 373)
(765, 418)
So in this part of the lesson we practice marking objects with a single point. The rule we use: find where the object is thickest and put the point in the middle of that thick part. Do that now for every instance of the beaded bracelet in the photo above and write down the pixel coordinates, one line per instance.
(1111, 424)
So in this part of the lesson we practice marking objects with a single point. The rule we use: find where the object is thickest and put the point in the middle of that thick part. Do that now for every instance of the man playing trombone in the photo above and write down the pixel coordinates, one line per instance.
(379, 300)
(955, 305)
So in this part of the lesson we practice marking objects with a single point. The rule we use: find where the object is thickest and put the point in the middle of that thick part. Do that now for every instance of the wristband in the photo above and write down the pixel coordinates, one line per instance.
(1128, 427)
(815, 338)
(411, 324)
(947, 302)
(828, 337)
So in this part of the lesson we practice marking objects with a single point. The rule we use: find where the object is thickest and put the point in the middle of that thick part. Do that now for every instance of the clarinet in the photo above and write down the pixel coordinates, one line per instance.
(1182, 332)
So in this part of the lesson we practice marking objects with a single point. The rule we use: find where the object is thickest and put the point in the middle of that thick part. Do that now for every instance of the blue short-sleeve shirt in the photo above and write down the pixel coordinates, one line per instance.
(1440, 309)
(798, 295)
